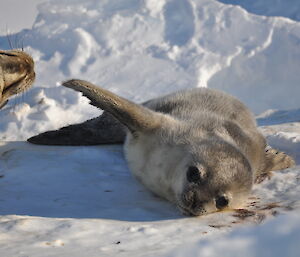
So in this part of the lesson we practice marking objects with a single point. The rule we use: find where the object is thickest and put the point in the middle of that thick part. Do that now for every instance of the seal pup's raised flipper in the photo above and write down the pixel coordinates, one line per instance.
(134, 116)
(109, 128)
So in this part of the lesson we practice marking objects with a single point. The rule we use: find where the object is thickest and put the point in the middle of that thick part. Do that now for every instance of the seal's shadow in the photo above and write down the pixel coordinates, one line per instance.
(74, 182)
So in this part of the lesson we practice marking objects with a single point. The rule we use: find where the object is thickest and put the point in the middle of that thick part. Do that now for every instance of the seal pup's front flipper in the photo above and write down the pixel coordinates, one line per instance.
(104, 129)
(274, 160)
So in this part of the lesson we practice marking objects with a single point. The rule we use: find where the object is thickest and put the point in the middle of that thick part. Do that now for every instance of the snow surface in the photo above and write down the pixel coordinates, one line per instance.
(82, 201)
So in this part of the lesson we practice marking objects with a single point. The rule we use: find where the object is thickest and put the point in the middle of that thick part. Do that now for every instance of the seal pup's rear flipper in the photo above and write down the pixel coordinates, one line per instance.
(101, 130)
(134, 116)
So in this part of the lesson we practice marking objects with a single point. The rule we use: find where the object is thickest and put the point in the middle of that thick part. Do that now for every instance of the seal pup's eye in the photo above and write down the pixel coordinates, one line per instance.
(193, 174)
(221, 202)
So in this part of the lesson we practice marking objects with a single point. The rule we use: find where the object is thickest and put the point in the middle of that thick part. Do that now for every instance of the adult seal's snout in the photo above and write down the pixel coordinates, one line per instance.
(16, 74)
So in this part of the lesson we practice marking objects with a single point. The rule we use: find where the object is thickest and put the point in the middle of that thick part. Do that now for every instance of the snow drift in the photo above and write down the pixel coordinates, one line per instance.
(142, 49)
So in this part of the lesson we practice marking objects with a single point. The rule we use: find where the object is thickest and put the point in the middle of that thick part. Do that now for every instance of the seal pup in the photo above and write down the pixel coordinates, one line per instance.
(16, 73)
(198, 148)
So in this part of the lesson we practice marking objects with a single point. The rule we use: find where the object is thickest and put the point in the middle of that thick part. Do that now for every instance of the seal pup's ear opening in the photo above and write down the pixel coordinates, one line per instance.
(134, 116)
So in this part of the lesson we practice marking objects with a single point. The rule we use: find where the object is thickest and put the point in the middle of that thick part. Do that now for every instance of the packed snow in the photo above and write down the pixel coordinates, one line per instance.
(83, 201)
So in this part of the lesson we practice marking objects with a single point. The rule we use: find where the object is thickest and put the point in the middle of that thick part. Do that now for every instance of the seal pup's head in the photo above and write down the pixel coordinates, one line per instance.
(16, 73)
(200, 173)
(216, 176)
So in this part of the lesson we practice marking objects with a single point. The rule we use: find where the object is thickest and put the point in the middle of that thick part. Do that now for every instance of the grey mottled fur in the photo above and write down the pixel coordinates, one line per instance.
(165, 137)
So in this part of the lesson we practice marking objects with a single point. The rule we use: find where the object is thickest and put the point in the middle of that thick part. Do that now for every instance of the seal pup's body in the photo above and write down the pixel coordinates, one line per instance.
(198, 148)
(16, 74)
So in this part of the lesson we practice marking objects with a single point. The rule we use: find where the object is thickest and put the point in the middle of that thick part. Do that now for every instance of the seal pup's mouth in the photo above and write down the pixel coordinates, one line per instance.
(189, 212)
(191, 204)
(16, 74)
(196, 200)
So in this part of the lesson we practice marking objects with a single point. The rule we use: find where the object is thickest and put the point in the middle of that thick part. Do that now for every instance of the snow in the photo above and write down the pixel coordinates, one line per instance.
(279, 237)
(83, 201)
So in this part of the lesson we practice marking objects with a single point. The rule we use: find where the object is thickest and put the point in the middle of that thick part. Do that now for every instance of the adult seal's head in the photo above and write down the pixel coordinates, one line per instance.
(16, 73)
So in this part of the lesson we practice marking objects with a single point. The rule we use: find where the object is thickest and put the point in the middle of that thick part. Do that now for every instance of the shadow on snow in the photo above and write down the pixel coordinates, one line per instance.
(74, 182)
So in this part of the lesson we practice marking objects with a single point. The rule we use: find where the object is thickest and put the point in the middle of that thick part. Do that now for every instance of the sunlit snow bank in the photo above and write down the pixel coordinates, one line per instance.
(142, 49)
